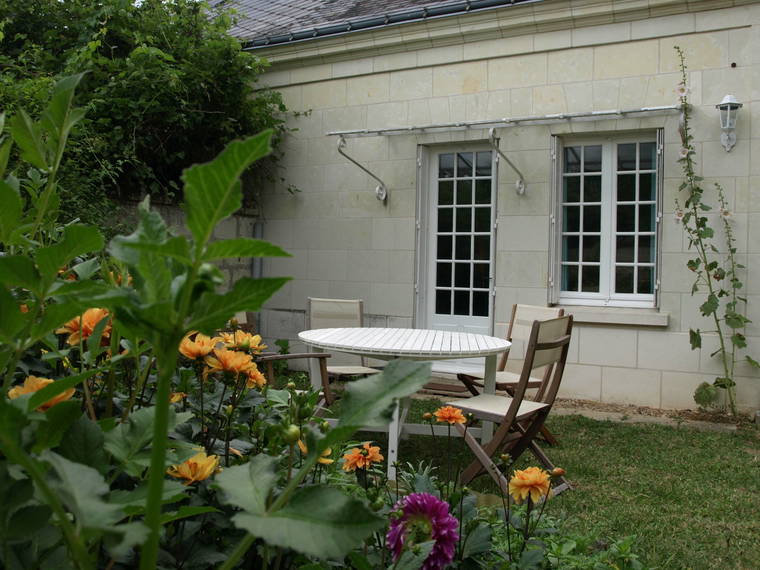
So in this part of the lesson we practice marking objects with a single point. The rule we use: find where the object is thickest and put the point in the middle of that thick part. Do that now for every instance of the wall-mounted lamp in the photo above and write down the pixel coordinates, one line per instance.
(729, 108)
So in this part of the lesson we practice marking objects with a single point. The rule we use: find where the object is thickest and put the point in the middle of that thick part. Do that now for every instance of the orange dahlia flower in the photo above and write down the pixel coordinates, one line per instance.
(361, 457)
(323, 457)
(242, 340)
(198, 346)
(532, 482)
(80, 328)
(197, 468)
(449, 414)
(34, 384)
(225, 360)
(176, 397)
(255, 378)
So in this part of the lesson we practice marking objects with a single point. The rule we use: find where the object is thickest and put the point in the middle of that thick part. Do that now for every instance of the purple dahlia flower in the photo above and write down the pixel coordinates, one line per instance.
(424, 517)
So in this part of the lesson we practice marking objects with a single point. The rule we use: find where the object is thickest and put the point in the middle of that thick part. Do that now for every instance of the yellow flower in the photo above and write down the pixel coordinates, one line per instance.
(197, 347)
(229, 361)
(322, 457)
(197, 468)
(175, 397)
(255, 378)
(533, 482)
(449, 414)
(242, 340)
(33, 384)
(361, 457)
(80, 328)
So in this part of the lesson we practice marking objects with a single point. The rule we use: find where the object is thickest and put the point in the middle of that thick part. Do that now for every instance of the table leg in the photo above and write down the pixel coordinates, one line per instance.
(315, 374)
(489, 387)
(394, 431)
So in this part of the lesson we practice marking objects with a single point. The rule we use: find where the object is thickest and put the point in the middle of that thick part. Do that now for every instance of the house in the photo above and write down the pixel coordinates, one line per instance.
(529, 151)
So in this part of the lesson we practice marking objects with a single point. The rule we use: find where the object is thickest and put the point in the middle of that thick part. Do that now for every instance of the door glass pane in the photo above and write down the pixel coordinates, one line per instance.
(646, 187)
(464, 219)
(445, 193)
(572, 219)
(464, 164)
(591, 248)
(623, 279)
(482, 247)
(461, 302)
(645, 281)
(572, 159)
(480, 275)
(590, 278)
(483, 191)
(572, 189)
(626, 187)
(646, 218)
(592, 218)
(445, 219)
(443, 274)
(482, 219)
(570, 248)
(592, 188)
(443, 302)
(624, 250)
(483, 166)
(463, 247)
(646, 249)
(626, 156)
(444, 247)
(480, 303)
(569, 277)
(462, 275)
(592, 158)
(626, 218)
(464, 191)
(446, 165)
(647, 156)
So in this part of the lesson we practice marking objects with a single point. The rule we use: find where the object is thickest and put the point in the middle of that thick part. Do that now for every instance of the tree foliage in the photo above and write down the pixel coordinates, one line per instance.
(165, 87)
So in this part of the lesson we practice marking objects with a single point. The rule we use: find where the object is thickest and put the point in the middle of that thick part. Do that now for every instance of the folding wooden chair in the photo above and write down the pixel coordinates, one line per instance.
(520, 324)
(519, 419)
(340, 313)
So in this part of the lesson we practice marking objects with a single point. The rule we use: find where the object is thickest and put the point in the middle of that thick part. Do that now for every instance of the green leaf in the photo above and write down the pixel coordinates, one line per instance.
(413, 556)
(13, 206)
(29, 140)
(81, 489)
(176, 247)
(248, 486)
(739, 340)
(52, 390)
(133, 502)
(58, 419)
(213, 310)
(78, 239)
(318, 521)
(735, 320)
(242, 247)
(19, 271)
(25, 522)
(12, 320)
(186, 512)
(83, 443)
(478, 541)
(695, 338)
(751, 361)
(59, 117)
(212, 190)
(710, 306)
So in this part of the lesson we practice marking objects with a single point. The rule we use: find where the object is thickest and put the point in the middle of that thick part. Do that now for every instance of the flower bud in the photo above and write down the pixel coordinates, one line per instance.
(291, 385)
(291, 434)
(324, 426)
(427, 416)
(228, 410)
(558, 472)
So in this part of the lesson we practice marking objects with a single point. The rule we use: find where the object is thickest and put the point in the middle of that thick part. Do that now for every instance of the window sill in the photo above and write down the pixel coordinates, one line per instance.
(617, 316)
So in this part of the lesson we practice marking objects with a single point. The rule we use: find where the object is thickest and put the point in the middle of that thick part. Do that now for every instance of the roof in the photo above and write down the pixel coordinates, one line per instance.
(261, 23)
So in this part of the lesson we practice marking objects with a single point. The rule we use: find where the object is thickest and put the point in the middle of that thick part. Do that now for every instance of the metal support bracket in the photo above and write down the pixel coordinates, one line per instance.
(520, 183)
(381, 191)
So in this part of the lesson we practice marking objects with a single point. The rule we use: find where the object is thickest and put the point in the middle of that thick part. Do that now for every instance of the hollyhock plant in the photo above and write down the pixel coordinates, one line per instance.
(421, 517)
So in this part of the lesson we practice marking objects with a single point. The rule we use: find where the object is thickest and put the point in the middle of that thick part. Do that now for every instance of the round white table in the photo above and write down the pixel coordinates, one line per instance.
(408, 344)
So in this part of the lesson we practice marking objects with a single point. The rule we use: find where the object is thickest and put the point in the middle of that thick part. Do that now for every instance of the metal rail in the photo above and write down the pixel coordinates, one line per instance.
(381, 190)
(520, 183)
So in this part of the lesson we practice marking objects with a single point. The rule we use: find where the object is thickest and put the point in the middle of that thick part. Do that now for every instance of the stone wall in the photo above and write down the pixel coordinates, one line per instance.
(347, 244)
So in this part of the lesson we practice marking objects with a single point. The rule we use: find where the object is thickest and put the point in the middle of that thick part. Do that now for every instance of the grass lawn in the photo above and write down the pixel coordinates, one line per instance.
(691, 497)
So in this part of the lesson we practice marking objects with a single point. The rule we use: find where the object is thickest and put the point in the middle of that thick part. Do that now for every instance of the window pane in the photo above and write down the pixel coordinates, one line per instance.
(590, 279)
(480, 275)
(445, 193)
(464, 191)
(444, 247)
(483, 166)
(463, 247)
(591, 248)
(572, 159)
(464, 164)
(572, 219)
(569, 277)
(646, 187)
(464, 219)
(443, 275)
(626, 187)
(627, 156)
(625, 218)
(443, 302)
(482, 219)
(592, 158)
(482, 247)
(646, 249)
(624, 250)
(446, 165)
(480, 303)
(445, 219)
(461, 302)
(647, 156)
(592, 189)
(644, 281)
(482, 191)
(624, 279)
(592, 218)
(572, 189)
(462, 275)
(646, 218)
(570, 248)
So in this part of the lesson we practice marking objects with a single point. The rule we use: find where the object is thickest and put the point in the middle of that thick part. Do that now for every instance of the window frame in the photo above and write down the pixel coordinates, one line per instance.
(605, 297)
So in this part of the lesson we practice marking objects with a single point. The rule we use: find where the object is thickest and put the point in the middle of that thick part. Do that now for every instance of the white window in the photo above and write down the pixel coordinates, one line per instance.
(606, 221)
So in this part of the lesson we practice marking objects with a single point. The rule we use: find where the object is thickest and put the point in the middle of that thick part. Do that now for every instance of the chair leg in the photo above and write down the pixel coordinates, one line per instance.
(482, 463)
(549, 466)
(548, 436)
(467, 380)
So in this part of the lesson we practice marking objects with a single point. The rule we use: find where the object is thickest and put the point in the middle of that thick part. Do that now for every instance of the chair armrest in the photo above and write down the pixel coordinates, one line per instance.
(272, 357)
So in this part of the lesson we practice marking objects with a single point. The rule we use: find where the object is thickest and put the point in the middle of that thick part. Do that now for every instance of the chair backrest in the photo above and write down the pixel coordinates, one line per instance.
(337, 313)
(548, 345)
(521, 323)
